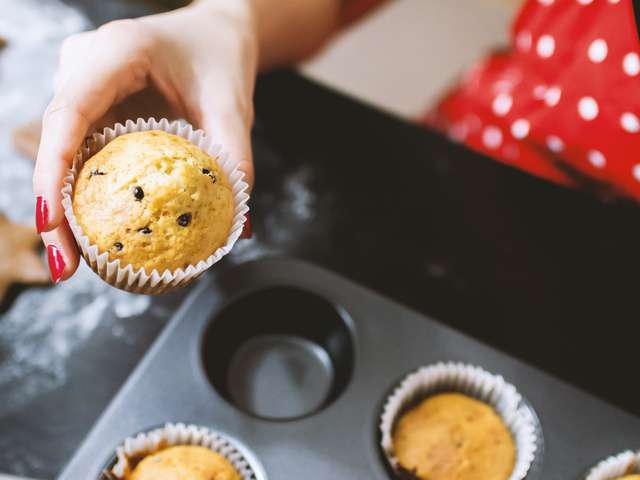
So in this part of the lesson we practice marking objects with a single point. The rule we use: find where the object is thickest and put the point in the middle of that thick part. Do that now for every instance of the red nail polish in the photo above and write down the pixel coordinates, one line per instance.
(56, 263)
(247, 231)
(42, 213)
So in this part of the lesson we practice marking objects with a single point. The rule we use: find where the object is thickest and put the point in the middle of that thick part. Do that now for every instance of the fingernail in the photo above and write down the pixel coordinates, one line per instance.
(56, 263)
(42, 213)
(247, 231)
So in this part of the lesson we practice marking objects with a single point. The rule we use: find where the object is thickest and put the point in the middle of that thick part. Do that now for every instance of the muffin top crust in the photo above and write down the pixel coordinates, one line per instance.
(154, 200)
(451, 436)
(186, 462)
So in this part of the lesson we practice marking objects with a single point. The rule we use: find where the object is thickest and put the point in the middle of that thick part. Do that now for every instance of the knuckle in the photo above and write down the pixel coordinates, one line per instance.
(55, 108)
(67, 44)
(74, 44)
(62, 109)
(131, 37)
(124, 27)
(131, 31)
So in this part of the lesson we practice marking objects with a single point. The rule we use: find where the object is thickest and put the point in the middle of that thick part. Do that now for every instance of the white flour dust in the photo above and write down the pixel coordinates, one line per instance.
(287, 215)
(292, 210)
(34, 30)
(45, 326)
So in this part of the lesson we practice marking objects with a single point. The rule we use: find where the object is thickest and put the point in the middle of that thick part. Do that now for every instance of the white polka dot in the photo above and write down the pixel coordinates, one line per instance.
(631, 64)
(552, 96)
(598, 50)
(614, 1)
(524, 40)
(630, 122)
(636, 172)
(545, 2)
(596, 158)
(546, 46)
(555, 144)
(539, 91)
(520, 128)
(492, 137)
(502, 104)
(585, 2)
(588, 108)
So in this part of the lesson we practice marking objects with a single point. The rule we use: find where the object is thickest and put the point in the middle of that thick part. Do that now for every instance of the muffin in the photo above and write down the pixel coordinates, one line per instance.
(452, 436)
(181, 452)
(153, 200)
(187, 462)
(623, 466)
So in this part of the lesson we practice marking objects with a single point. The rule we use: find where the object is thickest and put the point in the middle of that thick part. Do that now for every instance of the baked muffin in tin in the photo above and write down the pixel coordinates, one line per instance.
(153, 199)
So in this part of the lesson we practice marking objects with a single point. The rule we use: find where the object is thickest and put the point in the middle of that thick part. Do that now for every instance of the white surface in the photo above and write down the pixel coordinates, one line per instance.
(404, 56)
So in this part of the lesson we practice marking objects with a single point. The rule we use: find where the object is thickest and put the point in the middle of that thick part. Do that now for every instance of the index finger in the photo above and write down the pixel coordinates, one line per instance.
(85, 97)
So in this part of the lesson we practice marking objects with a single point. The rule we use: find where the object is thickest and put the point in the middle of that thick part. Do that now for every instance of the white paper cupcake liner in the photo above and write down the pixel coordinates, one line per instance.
(625, 463)
(170, 435)
(154, 282)
(474, 382)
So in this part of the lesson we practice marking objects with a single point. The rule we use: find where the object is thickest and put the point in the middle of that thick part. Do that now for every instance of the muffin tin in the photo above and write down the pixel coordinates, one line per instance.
(295, 363)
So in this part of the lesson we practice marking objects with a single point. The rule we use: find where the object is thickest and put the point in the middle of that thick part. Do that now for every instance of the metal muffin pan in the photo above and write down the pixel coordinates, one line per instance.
(296, 362)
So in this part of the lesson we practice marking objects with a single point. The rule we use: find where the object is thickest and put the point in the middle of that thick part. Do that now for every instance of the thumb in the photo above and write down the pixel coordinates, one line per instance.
(232, 130)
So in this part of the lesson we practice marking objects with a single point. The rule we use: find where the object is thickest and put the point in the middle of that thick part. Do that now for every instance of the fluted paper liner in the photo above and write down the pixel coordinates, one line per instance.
(124, 276)
(174, 434)
(476, 383)
(625, 463)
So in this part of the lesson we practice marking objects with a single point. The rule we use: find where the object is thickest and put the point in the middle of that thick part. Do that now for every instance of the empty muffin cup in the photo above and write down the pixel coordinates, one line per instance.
(616, 467)
(291, 366)
(134, 449)
(124, 276)
(472, 382)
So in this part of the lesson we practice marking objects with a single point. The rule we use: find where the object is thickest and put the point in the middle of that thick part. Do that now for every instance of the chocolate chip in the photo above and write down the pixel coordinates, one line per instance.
(145, 230)
(208, 172)
(118, 246)
(184, 219)
(96, 172)
(138, 193)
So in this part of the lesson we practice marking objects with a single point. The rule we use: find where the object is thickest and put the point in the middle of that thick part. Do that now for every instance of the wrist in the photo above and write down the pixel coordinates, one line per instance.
(288, 31)
(234, 19)
(229, 23)
(242, 13)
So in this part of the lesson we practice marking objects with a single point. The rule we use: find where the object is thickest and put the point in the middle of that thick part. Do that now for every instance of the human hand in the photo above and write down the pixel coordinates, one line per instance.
(201, 61)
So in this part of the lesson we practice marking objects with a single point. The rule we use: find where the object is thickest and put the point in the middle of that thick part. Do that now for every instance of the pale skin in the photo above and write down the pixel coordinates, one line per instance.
(199, 63)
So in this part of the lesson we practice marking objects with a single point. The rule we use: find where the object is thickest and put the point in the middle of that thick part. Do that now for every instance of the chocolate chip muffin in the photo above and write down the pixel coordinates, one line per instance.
(453, 437)
(154, 200)
(185, 463)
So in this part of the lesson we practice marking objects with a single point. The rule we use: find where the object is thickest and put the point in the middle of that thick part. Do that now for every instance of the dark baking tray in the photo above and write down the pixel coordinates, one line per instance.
(324, 353)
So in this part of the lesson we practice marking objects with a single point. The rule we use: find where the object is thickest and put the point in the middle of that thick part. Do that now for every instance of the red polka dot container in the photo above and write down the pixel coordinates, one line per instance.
(562, 102)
